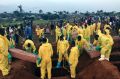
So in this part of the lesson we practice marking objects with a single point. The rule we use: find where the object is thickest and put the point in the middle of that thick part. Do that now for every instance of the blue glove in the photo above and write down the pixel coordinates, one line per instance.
(98, 48)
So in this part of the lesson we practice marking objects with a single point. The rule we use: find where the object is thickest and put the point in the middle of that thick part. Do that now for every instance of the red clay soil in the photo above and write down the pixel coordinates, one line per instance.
(87, 69)
(21, 70)
(99, 70)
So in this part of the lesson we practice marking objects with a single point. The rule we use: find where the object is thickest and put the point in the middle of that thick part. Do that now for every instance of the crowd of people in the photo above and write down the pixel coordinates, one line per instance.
(69, 35)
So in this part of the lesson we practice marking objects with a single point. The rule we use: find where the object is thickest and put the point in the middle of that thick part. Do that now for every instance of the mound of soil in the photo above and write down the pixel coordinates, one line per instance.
(87, 69)
(99, 70)
(20, 70)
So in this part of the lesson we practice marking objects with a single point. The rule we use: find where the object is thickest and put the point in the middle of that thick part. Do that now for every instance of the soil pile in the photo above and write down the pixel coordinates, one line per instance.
(21, 70)
(99, 70)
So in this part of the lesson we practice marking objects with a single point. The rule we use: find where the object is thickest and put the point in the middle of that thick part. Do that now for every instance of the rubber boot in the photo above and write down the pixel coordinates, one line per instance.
(107, 59)
(102, 58)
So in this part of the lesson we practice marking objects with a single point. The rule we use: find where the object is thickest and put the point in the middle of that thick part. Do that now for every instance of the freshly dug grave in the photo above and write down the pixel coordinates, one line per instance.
(87, 69)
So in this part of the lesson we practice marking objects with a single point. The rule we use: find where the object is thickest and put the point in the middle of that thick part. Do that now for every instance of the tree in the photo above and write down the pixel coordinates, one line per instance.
(16, 13)
(40, 11)
(20, 8)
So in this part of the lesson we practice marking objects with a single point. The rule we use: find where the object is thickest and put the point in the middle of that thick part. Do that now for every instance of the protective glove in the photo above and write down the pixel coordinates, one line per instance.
(35, 52)
(9, 57)
(12, 46)
(38, 61)
(98, 48)
(79, 47)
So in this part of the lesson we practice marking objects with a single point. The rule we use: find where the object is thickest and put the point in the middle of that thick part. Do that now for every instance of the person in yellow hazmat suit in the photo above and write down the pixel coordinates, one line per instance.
(73, 59)
(74, 32)
(64, 31)
(29, 46)
(62, 48)
(81, 43)
(98, 26)
(68, 28)
(58, 32)
(4, 44)
(97, 43)
(105, 46)
(87, 32)
(45, 53)
(39, 31)
(92, 28)
(111, 42)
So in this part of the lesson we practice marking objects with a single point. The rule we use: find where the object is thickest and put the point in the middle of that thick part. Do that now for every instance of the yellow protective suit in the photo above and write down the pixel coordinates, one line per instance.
(75, 27)
(32, 48)
(80, 31)
(58, 33)
(106, 43)
(39, 32)
(98, 26)
(108, 47)
(68, 28)
(82, 43)
(92, 28)
(45, 53)
(64, 31)
(62, 48)
(87, 33)
(107, 26)
(4, 66)
(73, 60)
(97, 42)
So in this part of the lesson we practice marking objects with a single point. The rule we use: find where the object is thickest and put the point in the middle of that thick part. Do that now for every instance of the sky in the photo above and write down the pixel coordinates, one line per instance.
(60, 5)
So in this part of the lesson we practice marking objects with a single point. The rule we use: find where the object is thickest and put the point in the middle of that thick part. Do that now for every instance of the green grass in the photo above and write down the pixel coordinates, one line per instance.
(43, 22)
(10, 23)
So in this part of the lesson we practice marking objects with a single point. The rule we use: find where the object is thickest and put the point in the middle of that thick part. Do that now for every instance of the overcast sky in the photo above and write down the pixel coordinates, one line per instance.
(60, 5)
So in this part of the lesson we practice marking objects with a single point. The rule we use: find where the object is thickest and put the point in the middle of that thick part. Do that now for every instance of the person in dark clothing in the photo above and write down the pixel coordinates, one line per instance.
(52, 26)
